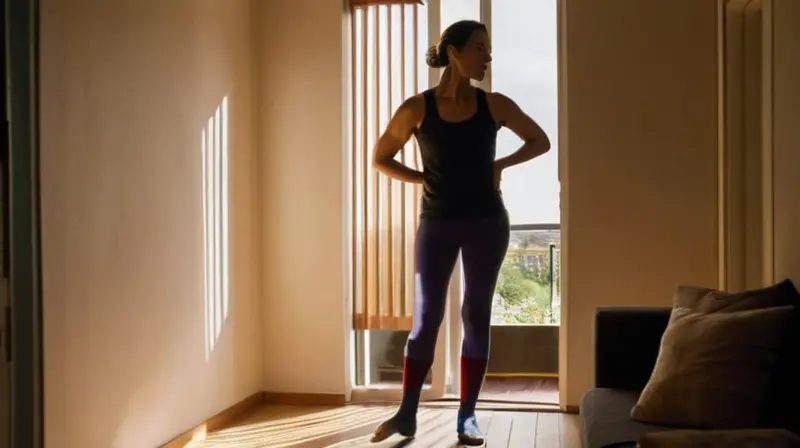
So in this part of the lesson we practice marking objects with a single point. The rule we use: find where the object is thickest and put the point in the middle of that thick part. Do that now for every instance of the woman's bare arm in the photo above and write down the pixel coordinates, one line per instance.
(399, 130)
(508, 114)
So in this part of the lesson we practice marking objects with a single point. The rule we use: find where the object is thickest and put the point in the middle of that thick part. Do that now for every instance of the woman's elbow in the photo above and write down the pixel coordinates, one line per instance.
(379, 162)
(545, 145)
(542, 144)
(539, 146)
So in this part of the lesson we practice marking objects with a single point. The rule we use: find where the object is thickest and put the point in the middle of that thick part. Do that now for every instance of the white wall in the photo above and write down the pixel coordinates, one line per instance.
(126, 88)
(301, 125)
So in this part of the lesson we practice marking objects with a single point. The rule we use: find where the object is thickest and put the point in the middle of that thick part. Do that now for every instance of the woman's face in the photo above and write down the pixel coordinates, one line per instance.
(473, 60)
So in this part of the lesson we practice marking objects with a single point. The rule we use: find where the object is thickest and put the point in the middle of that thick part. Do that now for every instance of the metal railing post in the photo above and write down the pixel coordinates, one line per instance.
(552, 278)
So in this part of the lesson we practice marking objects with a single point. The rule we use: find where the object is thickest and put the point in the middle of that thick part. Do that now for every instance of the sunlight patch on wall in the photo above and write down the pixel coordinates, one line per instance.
(215, 224)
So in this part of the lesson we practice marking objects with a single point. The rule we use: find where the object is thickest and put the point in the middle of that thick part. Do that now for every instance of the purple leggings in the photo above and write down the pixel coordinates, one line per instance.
(483, 243)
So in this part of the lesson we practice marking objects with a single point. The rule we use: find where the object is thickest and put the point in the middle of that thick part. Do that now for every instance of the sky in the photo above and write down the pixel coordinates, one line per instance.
(524, 68)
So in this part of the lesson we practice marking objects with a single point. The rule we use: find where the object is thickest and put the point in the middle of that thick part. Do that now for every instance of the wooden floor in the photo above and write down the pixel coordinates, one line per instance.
(351, 426)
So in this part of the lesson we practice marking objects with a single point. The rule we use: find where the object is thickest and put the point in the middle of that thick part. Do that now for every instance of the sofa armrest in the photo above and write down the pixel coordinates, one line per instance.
(627, 340)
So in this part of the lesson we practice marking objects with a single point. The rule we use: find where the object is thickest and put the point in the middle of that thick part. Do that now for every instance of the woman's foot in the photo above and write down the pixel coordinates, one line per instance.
(403, 424)
(468, 432)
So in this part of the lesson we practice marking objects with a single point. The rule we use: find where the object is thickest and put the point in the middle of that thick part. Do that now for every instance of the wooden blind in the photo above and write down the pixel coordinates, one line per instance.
(386, 49)
(368, 3)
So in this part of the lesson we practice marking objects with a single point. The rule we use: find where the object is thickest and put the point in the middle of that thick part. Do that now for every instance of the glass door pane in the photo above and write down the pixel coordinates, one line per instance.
(525, 68)
(455, 10)
(526, 313)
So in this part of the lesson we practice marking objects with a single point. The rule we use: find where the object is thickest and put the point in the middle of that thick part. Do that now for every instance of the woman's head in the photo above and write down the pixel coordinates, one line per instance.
(465, 47)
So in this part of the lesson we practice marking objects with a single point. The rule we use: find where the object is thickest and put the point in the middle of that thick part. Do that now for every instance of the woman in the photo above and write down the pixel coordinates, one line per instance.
(456, 127)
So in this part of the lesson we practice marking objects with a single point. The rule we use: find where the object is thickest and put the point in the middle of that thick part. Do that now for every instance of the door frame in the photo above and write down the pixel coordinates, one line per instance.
(445, 373)
(27, 407)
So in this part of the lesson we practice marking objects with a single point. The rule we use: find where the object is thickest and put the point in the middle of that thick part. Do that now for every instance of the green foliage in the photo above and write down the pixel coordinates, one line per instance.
(523, 289)
(541, 275)
(513, 286)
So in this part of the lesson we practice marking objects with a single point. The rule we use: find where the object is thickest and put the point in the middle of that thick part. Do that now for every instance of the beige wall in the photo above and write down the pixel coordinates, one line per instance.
(301, 125)
(752, 117)
(786, 137)
(126, 88)
(640, 161)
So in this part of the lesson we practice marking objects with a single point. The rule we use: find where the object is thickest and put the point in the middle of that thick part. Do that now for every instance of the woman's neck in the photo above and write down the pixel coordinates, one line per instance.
(455, 87)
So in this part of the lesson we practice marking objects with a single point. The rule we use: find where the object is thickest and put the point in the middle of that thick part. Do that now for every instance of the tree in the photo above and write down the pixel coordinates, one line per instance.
(512, 285)
(523, 287)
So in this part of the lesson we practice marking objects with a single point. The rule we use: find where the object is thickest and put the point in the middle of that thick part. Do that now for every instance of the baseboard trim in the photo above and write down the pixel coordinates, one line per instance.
(217, 422)
(569, 409)
(521, 375)
(228, 415)
(297, 399)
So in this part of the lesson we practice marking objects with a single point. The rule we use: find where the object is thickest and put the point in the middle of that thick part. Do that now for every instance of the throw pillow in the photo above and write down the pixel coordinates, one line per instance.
(784, 394)
(779, 294)
(687, 296)
(708, 300)
(713, 370)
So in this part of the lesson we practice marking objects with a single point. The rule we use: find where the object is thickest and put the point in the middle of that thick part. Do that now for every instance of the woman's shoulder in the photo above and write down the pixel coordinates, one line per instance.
(415, 101)
(495, 98)
(500, 105)
(414, 106)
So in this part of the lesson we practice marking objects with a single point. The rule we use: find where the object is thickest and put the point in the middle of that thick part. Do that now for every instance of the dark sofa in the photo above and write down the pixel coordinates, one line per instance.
(627, 341)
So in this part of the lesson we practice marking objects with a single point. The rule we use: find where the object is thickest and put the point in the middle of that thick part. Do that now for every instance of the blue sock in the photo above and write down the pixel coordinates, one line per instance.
(467, 423)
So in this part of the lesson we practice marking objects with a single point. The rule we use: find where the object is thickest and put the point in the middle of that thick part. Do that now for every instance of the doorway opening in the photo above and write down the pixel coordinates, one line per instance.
(388, 44)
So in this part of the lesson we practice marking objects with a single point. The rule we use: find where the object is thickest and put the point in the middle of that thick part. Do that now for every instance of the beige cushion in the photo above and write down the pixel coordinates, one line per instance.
(736, 438)
(713, 370)
(687, 296)
(707, 300)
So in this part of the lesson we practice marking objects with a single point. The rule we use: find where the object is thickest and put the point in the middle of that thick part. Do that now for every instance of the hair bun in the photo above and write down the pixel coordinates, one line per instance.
(433, 58)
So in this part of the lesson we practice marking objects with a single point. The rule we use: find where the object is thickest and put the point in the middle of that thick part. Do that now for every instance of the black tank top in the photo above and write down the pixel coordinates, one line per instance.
(457, 161)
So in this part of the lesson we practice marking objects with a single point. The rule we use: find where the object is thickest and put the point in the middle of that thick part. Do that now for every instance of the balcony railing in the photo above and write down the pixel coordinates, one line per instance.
(529, 287)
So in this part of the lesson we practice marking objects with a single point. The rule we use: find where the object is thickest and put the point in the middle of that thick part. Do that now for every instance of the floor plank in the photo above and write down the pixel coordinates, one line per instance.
(523, 430)
(351, 426)
(499, 430)
(570, 430)
(548, 431)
